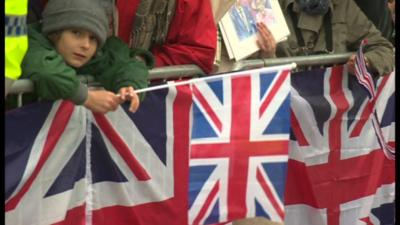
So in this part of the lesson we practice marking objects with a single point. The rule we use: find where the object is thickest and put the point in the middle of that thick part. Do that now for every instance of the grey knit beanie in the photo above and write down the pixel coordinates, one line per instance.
(84, 14)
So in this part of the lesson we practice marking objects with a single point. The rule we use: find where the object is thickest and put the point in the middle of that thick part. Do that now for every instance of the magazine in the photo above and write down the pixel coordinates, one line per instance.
(238, 26)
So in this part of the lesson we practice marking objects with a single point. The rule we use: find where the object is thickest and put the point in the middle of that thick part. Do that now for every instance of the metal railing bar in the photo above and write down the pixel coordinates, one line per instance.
(312, 60)
(175, 72)
(21, 86)
(167, 72)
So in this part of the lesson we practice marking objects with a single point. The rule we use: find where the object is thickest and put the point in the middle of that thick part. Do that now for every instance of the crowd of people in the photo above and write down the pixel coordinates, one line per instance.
(118, 42)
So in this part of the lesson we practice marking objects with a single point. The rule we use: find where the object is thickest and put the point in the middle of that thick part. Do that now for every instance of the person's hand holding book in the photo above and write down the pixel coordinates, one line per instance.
(265, 41)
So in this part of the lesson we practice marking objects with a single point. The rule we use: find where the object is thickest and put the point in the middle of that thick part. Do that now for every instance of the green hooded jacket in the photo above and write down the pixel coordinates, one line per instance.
(114, 66)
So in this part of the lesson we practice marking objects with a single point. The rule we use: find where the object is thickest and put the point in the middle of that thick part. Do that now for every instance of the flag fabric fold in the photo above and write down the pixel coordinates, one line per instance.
(337, 171)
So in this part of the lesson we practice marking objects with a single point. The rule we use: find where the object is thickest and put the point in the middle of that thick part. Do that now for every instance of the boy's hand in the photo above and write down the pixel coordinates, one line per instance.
(102, 101)
(128, 93)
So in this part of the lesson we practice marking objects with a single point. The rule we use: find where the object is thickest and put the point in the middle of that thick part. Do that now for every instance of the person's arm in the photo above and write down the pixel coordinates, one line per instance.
(378, 51)
(52, 78)
(192, 37)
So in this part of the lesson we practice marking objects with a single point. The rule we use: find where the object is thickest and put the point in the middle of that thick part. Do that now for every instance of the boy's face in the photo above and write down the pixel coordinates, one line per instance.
(77, 46)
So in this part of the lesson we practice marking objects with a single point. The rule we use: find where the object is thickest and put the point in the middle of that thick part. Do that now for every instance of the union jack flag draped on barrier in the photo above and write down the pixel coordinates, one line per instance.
(66, 165)
(337, 170)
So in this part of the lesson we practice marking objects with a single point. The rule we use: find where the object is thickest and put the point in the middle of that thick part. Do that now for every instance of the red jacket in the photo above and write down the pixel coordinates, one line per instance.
(192, 36)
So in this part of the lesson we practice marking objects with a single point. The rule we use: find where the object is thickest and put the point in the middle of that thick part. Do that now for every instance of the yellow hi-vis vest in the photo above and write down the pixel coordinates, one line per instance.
(16, 40)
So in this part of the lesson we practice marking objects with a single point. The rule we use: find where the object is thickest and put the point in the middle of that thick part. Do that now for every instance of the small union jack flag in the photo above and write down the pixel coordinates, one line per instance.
(366, 80)
(239, 147)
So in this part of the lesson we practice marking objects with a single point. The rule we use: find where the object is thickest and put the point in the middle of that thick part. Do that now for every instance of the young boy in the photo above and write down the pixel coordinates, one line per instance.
(72, 40)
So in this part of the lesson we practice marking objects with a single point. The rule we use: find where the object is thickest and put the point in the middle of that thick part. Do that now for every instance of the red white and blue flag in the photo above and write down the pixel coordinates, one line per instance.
(210, 153)
(239, 147)
(366, 80)
(337, 170)
(67, 165)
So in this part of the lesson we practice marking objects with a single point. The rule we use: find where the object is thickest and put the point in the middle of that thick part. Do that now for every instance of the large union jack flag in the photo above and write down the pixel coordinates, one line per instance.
(67, 165)
(337, 171)
(239, 146)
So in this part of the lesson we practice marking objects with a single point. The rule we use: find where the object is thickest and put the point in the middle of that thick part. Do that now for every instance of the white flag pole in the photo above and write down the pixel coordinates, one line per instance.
(216, 77)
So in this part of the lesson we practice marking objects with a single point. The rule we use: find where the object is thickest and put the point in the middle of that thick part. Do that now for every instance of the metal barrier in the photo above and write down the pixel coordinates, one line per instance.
(26, 86)
(312, 60)
(175, 72)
